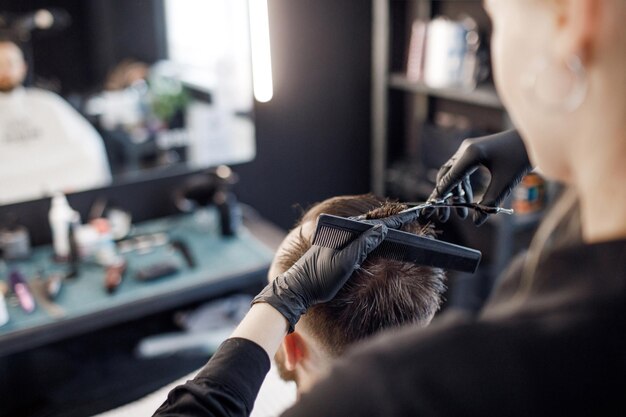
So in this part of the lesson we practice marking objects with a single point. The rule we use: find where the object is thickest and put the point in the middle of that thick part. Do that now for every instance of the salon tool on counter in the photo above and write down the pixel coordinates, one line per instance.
(14, 242)
(106, 251)
(212, 187)
(114, 274)
(183, 248)
(53, 284)
(119, 220)
(142, 243)
(157, 270)
(46, 291)
(336, 232)
(4, 313)
(230, 212)
(95, 242)
(21, 291)
(74, 257)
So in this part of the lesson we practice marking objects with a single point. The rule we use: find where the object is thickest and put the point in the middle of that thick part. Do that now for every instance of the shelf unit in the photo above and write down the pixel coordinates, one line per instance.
(390, 33)
(401, 107)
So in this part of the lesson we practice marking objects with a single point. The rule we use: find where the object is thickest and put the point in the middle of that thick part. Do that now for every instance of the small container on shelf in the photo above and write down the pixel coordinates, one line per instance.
(530, 195)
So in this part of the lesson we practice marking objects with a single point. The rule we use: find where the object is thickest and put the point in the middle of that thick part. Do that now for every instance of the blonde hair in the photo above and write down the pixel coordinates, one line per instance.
(562, 217)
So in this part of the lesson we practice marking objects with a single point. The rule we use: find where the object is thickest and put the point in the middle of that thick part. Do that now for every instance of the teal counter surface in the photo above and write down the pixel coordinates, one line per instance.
(222, 264)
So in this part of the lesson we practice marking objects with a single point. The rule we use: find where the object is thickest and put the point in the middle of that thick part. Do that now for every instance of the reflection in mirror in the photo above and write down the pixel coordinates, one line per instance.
(187, 108)
(45, 145)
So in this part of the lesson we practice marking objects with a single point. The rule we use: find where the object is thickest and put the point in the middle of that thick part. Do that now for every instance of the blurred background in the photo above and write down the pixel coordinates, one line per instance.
(219, 122)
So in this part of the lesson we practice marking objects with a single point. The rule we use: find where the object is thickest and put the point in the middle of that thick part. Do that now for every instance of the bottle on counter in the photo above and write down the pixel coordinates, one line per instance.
(4, 313)
(229, 212)
(61, 217)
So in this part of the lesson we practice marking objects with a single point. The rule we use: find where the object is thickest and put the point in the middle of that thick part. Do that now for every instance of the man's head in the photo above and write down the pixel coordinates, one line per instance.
(13, 67)
(382, 294)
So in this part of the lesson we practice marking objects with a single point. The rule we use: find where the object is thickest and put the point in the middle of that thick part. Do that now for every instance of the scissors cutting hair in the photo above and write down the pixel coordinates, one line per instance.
(442, 203)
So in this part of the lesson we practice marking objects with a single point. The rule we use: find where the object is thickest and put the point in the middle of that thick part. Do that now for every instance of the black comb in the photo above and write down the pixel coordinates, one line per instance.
(337, 232)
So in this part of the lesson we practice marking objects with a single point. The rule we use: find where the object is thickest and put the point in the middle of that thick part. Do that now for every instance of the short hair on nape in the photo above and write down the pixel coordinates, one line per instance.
(382, 294)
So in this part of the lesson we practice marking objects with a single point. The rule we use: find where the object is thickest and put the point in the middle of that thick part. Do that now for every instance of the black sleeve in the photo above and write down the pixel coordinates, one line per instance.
(226, 386)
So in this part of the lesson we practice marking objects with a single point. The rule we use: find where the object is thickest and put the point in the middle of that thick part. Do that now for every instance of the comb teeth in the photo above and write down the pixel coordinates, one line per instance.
(391, 250)
(331, 237)
(337, 232)
(334, 238)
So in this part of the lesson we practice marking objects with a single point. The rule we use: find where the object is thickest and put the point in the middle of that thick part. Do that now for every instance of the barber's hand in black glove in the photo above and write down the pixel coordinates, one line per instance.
(503, 154)
(318, 275)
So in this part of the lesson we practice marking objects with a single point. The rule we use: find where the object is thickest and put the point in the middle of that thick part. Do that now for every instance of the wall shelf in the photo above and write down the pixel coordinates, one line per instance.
(407, 126)
(483, 95)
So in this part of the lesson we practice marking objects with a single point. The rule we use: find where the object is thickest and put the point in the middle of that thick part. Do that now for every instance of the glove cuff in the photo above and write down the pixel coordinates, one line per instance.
(283, 300)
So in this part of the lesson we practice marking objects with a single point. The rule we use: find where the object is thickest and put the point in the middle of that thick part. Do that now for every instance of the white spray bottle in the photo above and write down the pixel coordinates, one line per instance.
(61, 216)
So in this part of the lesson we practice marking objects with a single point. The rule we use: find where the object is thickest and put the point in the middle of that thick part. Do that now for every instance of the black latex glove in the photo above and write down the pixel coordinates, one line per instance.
(503, 154)
(318, 275)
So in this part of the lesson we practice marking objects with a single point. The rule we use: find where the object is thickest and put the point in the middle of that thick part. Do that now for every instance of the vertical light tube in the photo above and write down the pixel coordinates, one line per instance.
(260, 45)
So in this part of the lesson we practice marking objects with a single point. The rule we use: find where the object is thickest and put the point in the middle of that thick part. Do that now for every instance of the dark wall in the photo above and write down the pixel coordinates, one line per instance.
(313, 136)
(120, 29)
(59, 57)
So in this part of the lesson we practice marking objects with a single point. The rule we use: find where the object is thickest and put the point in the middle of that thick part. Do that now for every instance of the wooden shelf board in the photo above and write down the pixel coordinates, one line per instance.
(485, 96)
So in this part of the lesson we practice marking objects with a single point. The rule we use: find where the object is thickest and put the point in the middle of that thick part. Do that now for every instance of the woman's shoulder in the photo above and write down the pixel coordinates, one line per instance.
(468, 367)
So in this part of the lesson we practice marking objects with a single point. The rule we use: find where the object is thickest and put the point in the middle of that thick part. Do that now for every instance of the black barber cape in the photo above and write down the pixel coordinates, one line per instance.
(560, 352)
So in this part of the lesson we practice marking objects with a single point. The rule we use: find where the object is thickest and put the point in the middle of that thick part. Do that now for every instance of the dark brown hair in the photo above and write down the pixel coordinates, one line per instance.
(382, 294)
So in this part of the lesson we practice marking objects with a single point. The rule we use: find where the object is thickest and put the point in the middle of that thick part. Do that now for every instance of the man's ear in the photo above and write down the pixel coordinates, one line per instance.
(295, 350)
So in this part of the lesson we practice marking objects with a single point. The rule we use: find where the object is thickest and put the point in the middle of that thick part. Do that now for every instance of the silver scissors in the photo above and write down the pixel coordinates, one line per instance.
(442, 203)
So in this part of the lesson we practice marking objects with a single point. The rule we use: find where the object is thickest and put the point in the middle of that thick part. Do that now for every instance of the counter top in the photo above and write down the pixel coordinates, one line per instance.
(222, 264)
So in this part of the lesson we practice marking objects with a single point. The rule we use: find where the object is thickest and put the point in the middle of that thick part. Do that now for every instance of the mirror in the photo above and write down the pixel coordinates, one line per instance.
(165, 85)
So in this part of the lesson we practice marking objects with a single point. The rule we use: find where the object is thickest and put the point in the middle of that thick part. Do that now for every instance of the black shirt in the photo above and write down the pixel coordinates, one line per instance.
(559, 351)
(226, 386)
